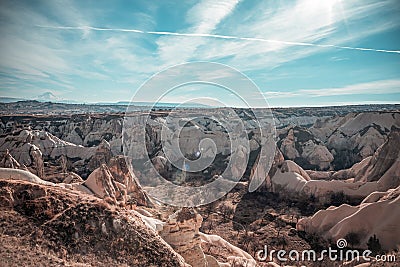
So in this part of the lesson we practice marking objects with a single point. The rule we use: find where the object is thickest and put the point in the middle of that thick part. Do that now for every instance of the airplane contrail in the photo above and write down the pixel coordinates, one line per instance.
(218, 37)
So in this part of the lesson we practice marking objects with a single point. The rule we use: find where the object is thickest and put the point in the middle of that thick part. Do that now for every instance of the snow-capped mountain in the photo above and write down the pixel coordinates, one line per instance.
(48, 97)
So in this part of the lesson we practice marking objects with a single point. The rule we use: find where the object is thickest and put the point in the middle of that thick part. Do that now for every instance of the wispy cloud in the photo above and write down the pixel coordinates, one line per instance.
(203, 18)
(227, 37)
(375, 87)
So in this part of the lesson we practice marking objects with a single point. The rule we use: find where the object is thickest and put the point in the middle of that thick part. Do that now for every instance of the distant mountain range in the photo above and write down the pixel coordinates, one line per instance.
(50, 97)
(159, 104)
(10, 99)
(45, 97)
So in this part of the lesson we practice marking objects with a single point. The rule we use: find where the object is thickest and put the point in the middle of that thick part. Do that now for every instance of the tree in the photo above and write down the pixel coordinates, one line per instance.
(353, 239)
(338, 198)
(374, 245)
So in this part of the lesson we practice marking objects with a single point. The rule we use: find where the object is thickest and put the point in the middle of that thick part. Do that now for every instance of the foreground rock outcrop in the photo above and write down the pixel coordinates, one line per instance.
(71, 219)
(72, 229)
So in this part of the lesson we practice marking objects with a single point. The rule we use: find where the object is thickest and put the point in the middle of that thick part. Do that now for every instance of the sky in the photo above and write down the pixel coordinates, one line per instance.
(298, 53)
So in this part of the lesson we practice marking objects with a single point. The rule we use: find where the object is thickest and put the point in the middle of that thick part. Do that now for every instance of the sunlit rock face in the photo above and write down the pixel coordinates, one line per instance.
(378, 215)
(21, 143)
(377, 179)
(181, 231)
(383, 167)
(117, 181)
(83, 129)
(31, 148)
(384, 162)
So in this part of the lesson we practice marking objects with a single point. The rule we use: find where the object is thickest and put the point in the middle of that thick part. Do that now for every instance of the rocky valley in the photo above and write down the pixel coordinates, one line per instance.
(70, 194)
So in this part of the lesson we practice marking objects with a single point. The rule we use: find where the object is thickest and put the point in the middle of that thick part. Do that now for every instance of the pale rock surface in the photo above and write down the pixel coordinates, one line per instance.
(378, 215)
(181, 231)
(102, 184)
(122, 173)
(8, 161)
(238, 256)
(15, 174)
(288, 146)
(320, 175)
(277, 163)
(356, 135)
(71, 178)
(22, 143)
(300, 145)
(379, 172)
(239, 159)
(117, 181)
(317, 154)
(102, 155)
(287, 180)
(152, 223)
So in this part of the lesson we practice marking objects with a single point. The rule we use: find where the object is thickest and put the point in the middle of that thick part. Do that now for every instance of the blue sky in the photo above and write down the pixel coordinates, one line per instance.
(62, 47)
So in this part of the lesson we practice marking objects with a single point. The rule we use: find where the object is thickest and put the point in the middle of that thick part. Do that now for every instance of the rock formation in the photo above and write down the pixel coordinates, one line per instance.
(8, 161)
(69, 227)
(102, 155)
(37, 157)
(23, 175)
(288, 146)
(379, 172)
(181, 231)
(238, 257)
(116, 181)
(323, 138)
(27, 146)
(378, 214)
(355, 136)
(301, 146)
(79, 154)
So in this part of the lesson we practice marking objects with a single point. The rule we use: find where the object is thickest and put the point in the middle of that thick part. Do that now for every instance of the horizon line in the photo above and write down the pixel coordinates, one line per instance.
(99, 103)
